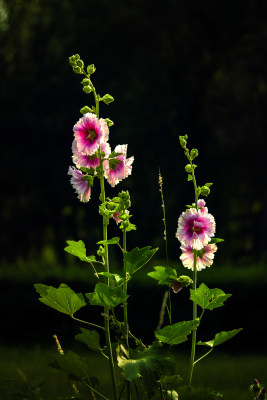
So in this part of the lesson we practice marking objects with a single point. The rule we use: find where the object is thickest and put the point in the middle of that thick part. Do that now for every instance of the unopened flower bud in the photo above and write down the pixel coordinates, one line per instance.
(189, 168)
(80, 63)
(193, 153)
(87, 89)
(86, 82)
(91, 69)
(77, 70)
(205, 190)
(101, 251)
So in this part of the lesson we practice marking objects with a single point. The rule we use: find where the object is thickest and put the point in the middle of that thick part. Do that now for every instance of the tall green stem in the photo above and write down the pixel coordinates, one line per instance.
(125, 314)
(106, 265)
(194, 333)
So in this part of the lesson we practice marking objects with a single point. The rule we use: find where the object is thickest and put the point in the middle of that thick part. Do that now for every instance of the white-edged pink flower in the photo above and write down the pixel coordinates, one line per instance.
(116, 216)
(115, 172)
(82, 160)
(80, 184)
(89, 131)
(195, 228)
(205, 256)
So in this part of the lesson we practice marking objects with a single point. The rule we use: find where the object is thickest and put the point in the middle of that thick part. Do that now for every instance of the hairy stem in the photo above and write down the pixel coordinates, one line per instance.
(106, 264)
(194, 333)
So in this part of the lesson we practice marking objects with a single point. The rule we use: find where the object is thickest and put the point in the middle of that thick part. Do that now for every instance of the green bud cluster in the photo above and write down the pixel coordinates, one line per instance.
(77, 64)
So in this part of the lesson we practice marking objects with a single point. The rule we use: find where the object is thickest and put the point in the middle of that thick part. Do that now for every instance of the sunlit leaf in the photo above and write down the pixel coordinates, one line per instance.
(176, 333)
(62, 299)
(207, 298)
(114, 240)
(106, 296)
(137, 258)
(163, 275)
(114, 277)
(78, 249)
(220, 338)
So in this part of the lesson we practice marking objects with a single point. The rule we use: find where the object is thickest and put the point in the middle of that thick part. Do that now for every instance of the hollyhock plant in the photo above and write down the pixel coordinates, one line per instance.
(121, 168)
(117, 218)
(80, 184)
(195, 228)
(204, 259)
(89, 132)
(82, 160)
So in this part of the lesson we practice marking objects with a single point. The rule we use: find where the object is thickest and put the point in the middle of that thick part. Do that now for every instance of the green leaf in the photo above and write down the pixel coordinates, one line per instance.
(220, 338)
(62, 299)
(176, 333)
(90, 338)
(75, 366)
(137, 258)
(189, 177)
(109, 122)
(148, 364)
(85, 110)
(114, 277)
(78, 249)
(114, 240)
(207, 298)
(163, 275)
(106, 296)
(215, 240)
(196, 393)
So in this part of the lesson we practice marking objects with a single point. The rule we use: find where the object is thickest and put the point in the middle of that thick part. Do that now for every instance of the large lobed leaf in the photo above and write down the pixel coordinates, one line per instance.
(137, 258)
(163, 275)
(78, 249)
(106, 296)
(220, 338)
(62, 299)
(207, 298)
(176, 333)
(148, 364)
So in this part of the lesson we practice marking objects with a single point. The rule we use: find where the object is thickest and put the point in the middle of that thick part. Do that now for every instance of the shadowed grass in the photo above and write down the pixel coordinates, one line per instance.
(228, 375)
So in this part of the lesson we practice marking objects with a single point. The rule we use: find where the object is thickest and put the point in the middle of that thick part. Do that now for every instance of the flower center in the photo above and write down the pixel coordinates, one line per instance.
(91, 135)
(197, 226)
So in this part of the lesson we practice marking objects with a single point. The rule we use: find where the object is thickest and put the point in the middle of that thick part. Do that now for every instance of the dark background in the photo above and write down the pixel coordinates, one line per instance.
(174, 68)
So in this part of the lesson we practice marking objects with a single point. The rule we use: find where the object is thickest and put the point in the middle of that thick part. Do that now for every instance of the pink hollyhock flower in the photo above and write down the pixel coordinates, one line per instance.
(122, 168)
(195, 228)
(201, 205)
(116, 216)
(204, 257)
(80, 184)
(89, 132)
(82, 160)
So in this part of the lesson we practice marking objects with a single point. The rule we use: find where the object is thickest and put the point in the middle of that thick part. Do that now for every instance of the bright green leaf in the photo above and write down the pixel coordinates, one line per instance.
(220, 338)
(90, 338)
(207, 298)
(62, 299)
(176, 333)
(106, 296)
(78, 249)
(114, 277)
(137, 258)
(114, 240)
(215, 240)
(163, 275)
